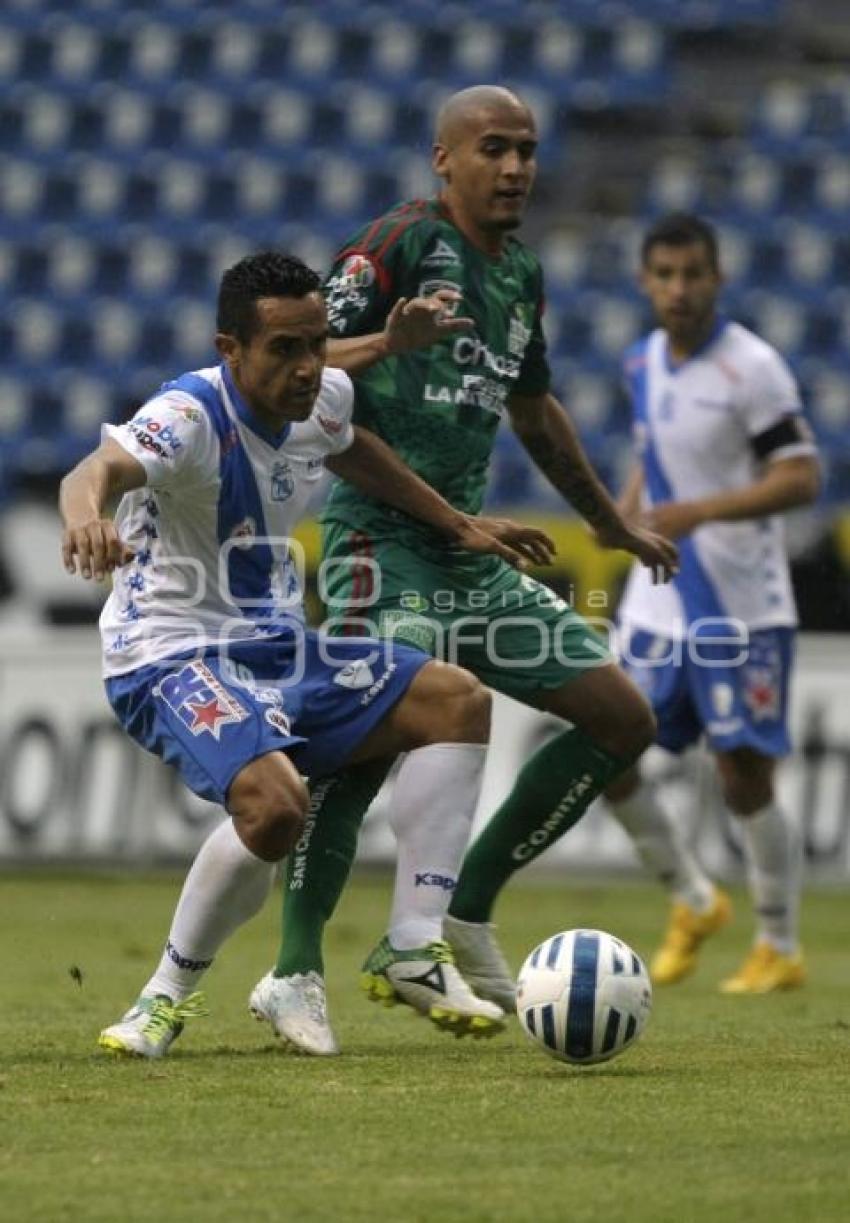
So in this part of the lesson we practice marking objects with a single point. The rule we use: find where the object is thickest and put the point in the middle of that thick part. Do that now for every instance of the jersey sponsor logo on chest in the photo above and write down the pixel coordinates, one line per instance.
(471, 350)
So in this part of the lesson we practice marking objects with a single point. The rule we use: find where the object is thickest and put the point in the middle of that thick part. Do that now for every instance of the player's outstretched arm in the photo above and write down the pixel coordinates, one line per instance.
(376, 470)
(89, 538)
(416, 322)
(547, 433)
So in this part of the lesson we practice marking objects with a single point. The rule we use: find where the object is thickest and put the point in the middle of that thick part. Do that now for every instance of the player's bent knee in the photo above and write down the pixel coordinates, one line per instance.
(464, 715)
(268, 802)
(633, 730)
(449, 705)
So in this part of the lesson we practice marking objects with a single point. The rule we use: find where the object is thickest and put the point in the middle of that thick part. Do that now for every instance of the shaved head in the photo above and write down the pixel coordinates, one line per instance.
(470, 106)
(485, 150)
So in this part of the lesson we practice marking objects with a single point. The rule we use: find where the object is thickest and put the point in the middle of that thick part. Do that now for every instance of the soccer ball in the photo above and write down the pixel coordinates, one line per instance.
(584, 996)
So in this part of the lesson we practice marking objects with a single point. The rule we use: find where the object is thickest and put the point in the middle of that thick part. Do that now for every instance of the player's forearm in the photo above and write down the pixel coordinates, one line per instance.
(84, 492)
(358, 353)
(553, 444)
(371, 466)
(629, 500)
(792, 483)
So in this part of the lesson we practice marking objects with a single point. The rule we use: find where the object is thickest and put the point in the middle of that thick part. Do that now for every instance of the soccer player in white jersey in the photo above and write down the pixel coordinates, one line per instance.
(724, 451)
(206, 657)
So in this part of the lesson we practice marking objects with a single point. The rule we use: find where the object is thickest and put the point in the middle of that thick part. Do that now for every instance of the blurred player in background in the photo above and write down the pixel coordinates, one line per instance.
(724, 450)
(439, 409)
(207, 661)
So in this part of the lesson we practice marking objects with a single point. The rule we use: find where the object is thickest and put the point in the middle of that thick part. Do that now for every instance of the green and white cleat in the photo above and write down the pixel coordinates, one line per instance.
(479, 958)
(426, 979)
(297, 1009)
(151, 1025)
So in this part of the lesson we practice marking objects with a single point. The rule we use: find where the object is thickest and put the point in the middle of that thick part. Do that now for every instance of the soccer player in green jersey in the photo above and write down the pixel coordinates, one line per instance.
(439, 408)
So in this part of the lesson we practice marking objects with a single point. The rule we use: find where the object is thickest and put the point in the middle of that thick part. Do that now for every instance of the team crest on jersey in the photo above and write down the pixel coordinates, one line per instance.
(283, 482)
(429, 287)
(199, 700)
(441, 256)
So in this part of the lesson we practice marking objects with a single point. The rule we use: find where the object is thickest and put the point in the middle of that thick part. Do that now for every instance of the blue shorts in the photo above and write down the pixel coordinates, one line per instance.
(737, 695)
(312, 696)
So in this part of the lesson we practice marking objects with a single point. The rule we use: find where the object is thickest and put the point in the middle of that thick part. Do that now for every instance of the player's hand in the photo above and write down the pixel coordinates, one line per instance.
(96, 547)
(650, 548)
(534, 544)
(472, 537)
(419, 322)
(672, 518)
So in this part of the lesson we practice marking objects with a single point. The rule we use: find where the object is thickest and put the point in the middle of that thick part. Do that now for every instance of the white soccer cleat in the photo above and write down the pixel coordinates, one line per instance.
(151, 1025)
(297, 1009)
(480, 960)
(426, 979)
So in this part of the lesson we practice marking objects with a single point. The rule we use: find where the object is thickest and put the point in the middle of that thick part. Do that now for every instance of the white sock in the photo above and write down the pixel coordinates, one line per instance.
(433, 804)
(662, 847)
(226, 885)
(774, 849)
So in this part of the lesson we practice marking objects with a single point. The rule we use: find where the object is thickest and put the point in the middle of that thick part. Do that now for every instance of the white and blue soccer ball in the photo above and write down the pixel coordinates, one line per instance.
(584, 996)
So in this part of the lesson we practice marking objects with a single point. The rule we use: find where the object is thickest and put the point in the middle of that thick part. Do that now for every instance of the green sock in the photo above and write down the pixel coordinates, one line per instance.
(551, 793)
(318, 867)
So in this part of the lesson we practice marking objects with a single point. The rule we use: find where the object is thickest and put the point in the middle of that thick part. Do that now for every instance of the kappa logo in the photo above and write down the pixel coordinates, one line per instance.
(200, 700)
(441, 256)
(355, 675)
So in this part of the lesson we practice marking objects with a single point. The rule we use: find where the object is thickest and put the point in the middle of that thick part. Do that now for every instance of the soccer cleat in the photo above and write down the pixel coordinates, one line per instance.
(686, 932)
(426, 979)
(297, 1009)
(151, 1025)
(765, 970)
(480, 961)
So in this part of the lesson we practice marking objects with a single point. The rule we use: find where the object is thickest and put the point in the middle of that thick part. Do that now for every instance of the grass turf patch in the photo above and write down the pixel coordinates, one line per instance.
(732, 1108)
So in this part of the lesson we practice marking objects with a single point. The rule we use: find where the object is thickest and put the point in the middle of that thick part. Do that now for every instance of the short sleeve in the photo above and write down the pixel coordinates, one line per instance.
(357, 294)
(172, 437)
(535, 377)
(773, 412)
(770, 393)
(333, 411)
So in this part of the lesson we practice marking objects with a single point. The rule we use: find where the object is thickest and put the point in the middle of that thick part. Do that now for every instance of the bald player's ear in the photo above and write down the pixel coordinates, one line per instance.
(439, 159)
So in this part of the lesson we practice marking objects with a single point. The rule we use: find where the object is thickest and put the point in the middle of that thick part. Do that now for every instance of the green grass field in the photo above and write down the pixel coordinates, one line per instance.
(728, 1108)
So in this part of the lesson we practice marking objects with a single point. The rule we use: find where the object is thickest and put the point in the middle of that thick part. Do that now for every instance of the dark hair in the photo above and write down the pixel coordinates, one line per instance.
(266, 274)
(682, 229)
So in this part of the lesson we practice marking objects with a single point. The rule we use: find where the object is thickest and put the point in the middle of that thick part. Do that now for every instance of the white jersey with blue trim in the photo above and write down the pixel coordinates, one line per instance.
(211, 527)
(703, 427)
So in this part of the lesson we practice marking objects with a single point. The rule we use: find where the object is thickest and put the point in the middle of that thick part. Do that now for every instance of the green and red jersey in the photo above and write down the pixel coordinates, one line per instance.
(438, 408)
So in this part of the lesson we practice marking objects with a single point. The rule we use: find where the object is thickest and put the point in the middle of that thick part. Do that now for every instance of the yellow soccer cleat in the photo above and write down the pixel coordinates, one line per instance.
(766, 970)
(686, 932)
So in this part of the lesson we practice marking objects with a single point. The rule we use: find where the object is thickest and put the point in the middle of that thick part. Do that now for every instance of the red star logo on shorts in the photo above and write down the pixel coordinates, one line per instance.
(208, 716)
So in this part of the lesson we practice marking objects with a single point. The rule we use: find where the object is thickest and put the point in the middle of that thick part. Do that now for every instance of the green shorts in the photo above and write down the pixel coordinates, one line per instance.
(510, 630)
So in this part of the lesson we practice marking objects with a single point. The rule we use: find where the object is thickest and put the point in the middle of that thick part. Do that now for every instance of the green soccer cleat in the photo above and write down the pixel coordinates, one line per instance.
(151, 1025)
(426, 979)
